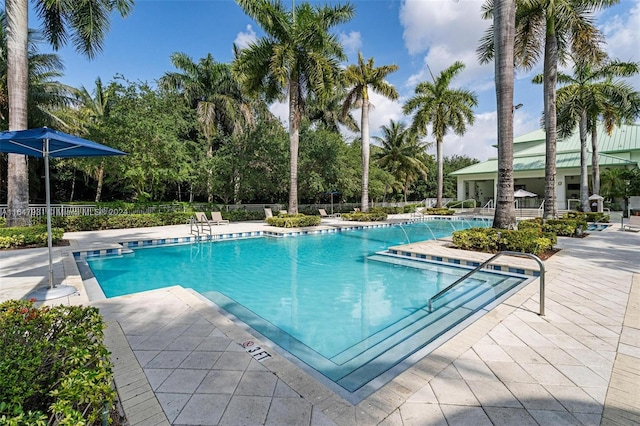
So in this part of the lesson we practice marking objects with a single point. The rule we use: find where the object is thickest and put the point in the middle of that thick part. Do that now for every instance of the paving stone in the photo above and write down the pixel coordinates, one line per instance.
(182, 381)
(453, 391)
(257, 383)
(501, 416)
(200, 360)
(284, 391)
(546, 374)
(220, 381)
(492, 353)
(417, 414)
(318, 418)
(205, 410)
(582, 376)
(524, 355)
(424, 395)
(557, 356)
(214, 343)
(289, 411)
(462, 416)
(156, 376)
(533, 396)
(554, 418)
(493, 394)
(574, 399)
(510, 372)
(246, 410)
(144, 357)
(474, 370)
(168, 359)
(233, 361)
(172, 403)
(185, 343)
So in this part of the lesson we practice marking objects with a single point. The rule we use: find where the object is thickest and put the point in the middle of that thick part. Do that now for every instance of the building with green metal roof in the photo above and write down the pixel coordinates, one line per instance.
(619, 149)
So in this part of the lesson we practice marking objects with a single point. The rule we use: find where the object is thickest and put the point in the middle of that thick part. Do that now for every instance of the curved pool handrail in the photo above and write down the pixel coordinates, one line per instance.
(488, 261)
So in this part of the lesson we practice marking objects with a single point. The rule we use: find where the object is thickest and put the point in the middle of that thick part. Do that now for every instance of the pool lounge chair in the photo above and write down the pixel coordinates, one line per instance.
(632, 225)
(216, 219)
(283, 213)
(267, 213)
(324, 215)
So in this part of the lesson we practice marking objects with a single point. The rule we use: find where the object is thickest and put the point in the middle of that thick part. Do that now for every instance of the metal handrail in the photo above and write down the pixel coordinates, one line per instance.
(491, 259)
(192, 222)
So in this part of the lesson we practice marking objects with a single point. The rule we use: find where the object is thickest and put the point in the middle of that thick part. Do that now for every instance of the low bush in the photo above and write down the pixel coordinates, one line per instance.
(561, 227)
(371, 216)
(101, 222)
(439, 212)
(587, 216)
(28, 236)
(493, 240)
(294, 221)
(54, 367)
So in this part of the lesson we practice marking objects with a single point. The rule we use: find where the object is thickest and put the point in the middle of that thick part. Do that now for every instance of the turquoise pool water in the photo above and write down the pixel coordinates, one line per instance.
(327, 299)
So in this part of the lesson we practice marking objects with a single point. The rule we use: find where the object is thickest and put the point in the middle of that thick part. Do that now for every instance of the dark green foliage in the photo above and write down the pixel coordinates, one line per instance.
(28, 236)
(571, 225)
(100, 222)
(53, 365)
(493, 240)
(587, 216)
(293, 221)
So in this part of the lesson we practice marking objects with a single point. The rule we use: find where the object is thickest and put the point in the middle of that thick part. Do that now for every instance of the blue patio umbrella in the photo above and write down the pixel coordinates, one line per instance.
(44, 143)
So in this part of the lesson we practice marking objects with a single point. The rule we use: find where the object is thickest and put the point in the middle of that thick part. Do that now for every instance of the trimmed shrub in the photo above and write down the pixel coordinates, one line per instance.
(565, 227)
(294, 221)
(439, 212)
(28, 236)
(3, 222)
(54, 367)
(370, 216)
(493, 240)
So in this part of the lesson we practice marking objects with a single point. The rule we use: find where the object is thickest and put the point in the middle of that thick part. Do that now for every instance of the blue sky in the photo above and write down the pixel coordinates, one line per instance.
(409, 33)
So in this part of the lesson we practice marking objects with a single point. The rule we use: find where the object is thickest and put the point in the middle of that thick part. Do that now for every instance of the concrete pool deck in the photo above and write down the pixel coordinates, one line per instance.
(178, 360)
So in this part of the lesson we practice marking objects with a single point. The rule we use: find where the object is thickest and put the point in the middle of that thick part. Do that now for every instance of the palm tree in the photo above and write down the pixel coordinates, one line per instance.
(329, 113)
(504, 23)
(550, 28)
(359, 78)
(590, 93)
(298, 56)
(436, 103)
(93, 108)
(401, 154)
(211, 89)
(87, 23)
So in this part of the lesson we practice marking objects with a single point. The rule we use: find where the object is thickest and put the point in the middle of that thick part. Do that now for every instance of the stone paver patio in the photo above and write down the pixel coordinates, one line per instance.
(178, 360)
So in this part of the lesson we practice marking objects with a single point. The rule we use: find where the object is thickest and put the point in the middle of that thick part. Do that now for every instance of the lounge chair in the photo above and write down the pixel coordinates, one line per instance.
(268, 213)
(323, 214)
(633, 224)
(216, 219)
(200, 222)
(356, 209)
(283, 213)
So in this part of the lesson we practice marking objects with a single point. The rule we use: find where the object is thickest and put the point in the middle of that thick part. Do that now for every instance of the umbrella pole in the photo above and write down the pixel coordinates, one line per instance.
(48, 196)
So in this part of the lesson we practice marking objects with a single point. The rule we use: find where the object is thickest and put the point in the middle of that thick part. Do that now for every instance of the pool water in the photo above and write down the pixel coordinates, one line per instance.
(329, 299)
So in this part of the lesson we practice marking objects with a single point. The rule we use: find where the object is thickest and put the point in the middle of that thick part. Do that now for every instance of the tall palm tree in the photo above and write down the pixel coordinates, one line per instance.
(444, 108)
(359, 78)
(86, 24)
(298, 56)
(550, 28)
(503, 43)
(211, 89)
(401, 154)
(590, 93)
(329, 112)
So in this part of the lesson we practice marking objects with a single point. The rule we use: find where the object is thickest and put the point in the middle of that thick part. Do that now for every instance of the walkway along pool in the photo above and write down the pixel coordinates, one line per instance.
(333, 301)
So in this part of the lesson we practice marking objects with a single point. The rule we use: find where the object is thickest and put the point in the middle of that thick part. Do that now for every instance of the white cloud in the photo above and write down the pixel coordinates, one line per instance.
(622, 32)
(243, 39)
(351, 42)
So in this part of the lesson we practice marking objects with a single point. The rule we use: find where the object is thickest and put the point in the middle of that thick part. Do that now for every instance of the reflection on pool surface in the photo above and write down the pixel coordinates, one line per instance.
(329, 300)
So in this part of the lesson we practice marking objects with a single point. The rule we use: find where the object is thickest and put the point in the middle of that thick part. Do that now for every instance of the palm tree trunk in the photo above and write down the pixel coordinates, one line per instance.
(17, 82)
(504, 22)
(100, 181)
(73, 185)
(550, 79)
(364, 125)
(584, 173)
(440, 161)
(294, 141)
(595, 165)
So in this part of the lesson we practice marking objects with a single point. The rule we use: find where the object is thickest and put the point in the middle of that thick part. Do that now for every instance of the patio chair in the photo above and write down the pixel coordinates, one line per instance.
(216, 219)
(324, 215)
(268, 213)
(356, 209)
(283, 213)
(633, 224)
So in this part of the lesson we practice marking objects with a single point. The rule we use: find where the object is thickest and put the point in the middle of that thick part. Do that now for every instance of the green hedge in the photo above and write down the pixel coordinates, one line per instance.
(294, 221)
(439, 212)
(560, 227)
(587, 216)
(28, 236)
(54, 367)
(371, 216)
(493, 240)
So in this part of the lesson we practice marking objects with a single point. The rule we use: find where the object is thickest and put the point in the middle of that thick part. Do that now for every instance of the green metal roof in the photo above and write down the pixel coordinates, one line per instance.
(563, 161)
(624, 138)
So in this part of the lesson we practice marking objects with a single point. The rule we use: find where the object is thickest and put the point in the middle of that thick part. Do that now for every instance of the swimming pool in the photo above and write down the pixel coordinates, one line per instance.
(330, 300)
